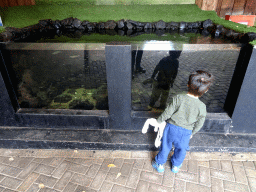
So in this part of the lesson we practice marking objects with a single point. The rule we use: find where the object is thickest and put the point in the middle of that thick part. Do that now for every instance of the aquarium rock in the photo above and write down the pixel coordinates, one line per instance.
(160, 25)
(120, 24)
(77, 23)
(100, 25)
(207, 23)
(110, 24)
(250, 36)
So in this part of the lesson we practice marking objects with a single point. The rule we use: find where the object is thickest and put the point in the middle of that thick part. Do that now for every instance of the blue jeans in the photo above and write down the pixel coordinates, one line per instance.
(177, 136)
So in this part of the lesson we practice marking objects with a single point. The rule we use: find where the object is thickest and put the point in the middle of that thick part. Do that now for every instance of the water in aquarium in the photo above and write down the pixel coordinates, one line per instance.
(73, 75)
(58, 76)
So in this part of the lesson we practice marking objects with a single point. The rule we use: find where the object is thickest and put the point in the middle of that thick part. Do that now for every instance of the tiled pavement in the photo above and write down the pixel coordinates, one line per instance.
(34, 170)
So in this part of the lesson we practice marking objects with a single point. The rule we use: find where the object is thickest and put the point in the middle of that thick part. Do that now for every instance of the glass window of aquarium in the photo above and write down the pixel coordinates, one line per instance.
(58, 75)
(161, 70)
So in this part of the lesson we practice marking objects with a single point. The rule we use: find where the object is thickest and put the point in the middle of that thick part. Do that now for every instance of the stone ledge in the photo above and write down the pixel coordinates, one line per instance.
(20, 138)
(91, 154)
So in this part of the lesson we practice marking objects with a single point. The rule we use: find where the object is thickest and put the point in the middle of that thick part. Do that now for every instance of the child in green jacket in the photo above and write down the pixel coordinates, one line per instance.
(185, 116)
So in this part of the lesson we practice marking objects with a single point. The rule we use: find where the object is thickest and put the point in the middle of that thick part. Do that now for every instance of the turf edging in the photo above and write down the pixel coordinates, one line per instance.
(124, 28)
(24, 16)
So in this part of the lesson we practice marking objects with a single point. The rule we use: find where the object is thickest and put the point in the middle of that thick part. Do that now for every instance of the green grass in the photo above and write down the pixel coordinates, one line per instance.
(22, 16)
(123, 2)
(2, 29)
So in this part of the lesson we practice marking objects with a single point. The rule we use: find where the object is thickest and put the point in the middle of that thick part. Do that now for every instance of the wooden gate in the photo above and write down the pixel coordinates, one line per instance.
(228, 7)
(11, 3)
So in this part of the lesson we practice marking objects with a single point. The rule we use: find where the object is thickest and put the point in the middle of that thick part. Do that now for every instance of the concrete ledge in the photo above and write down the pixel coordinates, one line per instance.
(214, 123)
(83, 153)
(25, 138)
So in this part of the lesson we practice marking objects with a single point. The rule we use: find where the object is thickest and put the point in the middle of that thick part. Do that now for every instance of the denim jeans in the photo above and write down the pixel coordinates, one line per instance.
(180, 138)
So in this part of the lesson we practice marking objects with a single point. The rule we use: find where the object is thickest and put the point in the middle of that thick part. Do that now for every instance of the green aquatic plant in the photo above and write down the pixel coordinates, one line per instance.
(71, 96)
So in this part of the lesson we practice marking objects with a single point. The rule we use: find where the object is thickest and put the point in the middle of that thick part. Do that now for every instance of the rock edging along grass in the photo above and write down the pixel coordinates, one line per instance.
(129, 26)
(23, 16)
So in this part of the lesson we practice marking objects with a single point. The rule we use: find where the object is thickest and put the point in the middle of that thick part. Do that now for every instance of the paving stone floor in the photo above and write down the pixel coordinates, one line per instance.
(46, 170)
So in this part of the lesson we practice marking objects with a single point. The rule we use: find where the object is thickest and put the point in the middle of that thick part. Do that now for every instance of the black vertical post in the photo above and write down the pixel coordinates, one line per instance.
(118, 67)
(244, 114)
(238, 77)
(7, 112)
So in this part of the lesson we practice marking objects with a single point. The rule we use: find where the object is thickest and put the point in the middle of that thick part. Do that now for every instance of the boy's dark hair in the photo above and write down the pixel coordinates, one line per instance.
(199, 82)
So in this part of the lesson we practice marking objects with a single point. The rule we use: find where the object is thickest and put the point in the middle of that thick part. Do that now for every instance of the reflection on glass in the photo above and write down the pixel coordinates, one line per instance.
(163, 78)
(167, 71)
(55, 78)
(159, 45)
(136, 61)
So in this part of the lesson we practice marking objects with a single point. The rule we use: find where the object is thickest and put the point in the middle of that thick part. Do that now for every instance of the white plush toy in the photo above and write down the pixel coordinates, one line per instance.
(158, 127)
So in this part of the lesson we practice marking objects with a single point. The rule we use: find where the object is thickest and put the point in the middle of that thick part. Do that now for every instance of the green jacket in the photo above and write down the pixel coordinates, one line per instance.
(185, 111)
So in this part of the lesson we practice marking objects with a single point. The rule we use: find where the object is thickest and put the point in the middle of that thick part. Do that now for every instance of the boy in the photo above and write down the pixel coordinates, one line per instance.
(185, 116)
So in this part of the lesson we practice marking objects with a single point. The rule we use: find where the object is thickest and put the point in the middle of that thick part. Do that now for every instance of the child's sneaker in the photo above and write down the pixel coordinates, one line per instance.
(175, 169)
(158, 167)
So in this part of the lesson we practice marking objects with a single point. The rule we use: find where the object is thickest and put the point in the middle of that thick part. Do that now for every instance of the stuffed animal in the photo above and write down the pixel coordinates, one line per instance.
(159, 127)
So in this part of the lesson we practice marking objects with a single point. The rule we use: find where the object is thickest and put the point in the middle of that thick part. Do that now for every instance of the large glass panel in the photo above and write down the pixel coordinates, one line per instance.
(161, 70)
(58, 75)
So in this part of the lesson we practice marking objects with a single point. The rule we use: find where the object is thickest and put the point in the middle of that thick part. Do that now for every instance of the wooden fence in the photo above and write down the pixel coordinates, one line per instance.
(228, 7)
(11, 3)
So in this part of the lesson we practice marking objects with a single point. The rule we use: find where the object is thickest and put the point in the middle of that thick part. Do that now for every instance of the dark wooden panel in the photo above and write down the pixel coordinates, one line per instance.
(1, 4)
(209, 5)
(250, 8)
(26, 2)
(21, 2)
(13, 3)
(218, 9)
(199, 3)
(238, 8)
(4, 3)
(30, 2)
(226, 7)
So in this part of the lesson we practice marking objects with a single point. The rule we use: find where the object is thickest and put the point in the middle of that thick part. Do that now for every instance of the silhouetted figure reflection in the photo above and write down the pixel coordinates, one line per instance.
(136, 60)
(166, 72)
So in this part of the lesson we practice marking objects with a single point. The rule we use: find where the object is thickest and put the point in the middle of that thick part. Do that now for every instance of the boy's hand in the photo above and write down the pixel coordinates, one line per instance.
(191, 136)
